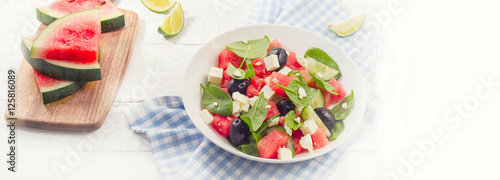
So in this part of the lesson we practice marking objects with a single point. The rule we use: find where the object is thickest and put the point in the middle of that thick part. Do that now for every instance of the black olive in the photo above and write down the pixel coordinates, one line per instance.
(326, 116)
(285, 106)
(282, 56)
(237, 85)
(239, 132)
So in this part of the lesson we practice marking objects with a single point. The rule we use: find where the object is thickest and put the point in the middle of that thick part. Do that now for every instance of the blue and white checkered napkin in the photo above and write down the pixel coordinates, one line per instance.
(182, 152)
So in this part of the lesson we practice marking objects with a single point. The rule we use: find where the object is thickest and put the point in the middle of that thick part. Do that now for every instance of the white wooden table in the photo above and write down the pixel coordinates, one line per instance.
(114, 151)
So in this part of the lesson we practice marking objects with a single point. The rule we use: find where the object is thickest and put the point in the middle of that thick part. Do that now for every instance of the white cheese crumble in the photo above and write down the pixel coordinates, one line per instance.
(245, 41)
(258, 63)
(215, 104)
(309, 127)
(252, 100)
(302, 61)
(274, 122)
(206, 116)
(275, 80)
(297, 119)
(306, 142)
(344, 106)
(302, 93)
(288, 130)
(319, 75)
(268, 106)
(237, 74)
(284, 153)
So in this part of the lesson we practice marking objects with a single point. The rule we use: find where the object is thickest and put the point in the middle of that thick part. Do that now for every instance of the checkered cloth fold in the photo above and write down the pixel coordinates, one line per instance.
(182, 152)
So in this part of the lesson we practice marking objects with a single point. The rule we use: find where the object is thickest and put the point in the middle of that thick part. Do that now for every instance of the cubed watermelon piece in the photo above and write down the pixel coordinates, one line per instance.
(292, 62)
(227, 56)
(272, 111)
(255, 86)
(296, 139)
(225, 79)
(338, 89)
(328, 98)
(282, 121)
(259, 68)
(278, 78)
(274, 43)
(307, 77)
(268, 146)
(319, 139)
(221, 124)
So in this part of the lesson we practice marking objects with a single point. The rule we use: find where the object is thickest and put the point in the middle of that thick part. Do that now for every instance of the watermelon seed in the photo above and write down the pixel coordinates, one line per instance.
(70, 0)
(103, 3)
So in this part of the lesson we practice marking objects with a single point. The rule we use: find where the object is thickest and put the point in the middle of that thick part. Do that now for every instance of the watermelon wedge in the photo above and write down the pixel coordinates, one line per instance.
(111, 17)
(50, 89)
(55, 89)
(68, 48)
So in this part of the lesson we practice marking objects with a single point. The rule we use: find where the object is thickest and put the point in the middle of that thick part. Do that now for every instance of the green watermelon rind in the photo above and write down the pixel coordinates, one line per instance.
(59, 71)
(60, 91)
(110, 23)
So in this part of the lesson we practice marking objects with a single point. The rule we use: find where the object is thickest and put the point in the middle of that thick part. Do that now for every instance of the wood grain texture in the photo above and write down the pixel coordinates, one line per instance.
(86, 109)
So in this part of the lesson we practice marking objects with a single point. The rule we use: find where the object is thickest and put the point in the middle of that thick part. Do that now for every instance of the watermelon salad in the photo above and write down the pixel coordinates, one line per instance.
(271, 103)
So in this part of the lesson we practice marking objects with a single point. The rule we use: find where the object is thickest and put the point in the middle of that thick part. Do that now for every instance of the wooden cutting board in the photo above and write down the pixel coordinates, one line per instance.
(86, 109)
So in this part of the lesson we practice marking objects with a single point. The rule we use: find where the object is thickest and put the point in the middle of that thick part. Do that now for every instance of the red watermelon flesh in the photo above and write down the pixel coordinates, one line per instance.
(292, 62)
(259, 68)
(272, 111)
(222, 123)
(319, 139)
(338, 89)
(296, 142)
(278, 78)
(225, 79)
(227, 56)
(72, 38)
(268, 146)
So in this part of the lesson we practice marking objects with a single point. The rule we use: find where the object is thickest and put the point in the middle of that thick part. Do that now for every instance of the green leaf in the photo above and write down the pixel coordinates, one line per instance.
(250, 149)
(323, 85)
(338, 128)
(292, 92)
(217, 101)
(265, 124)
(256, 48)
(257, 114)
(290, 121)
(231, 70)
(339, 112)
(322, 57)
(256, 136)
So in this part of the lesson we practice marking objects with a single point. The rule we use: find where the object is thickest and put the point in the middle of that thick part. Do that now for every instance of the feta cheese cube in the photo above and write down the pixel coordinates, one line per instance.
(215, 75)
(284, 153)
(309, 127)
(206, 116)
(302, 61)
(306, 142)
(302, 93)
(236, 108)
(288, 130)
(272, 62)
(245, 107)
(240, 98)
(285, 71)
(273, 122)
(268, 92)
(252, 100)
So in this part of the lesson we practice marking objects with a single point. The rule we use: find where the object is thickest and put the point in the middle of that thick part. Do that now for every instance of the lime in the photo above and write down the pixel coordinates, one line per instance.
(174, 22)
(347, 27)
(159, 5)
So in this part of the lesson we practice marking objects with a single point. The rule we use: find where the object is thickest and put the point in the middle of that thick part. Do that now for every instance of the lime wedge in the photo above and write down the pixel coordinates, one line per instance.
(174, 22)
(159, 5)
(347, 27)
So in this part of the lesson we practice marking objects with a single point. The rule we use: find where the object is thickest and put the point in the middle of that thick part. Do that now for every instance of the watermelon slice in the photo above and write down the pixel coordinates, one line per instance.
(68, 48)
(111, 17)
(50, 89)
(55, 89)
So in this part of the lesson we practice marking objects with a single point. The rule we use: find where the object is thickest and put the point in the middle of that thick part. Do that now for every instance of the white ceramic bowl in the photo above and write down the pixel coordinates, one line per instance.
(293, 39)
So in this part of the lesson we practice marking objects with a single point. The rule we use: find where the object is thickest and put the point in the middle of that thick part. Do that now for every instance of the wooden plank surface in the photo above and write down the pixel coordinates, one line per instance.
(86, 109)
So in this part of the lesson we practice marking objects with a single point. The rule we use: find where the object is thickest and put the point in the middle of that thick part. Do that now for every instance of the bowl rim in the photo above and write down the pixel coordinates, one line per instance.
(237, 152)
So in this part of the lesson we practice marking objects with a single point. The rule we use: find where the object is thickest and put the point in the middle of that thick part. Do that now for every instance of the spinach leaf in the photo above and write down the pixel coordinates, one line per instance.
(231, 70)
(265, 124)
(257, 114)
(323, 85)
(290, 121)
(256, 48)
(338, 128)
(322, 57)
(292, 92)
(339, 111)
(250, 149)
(217, 101)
